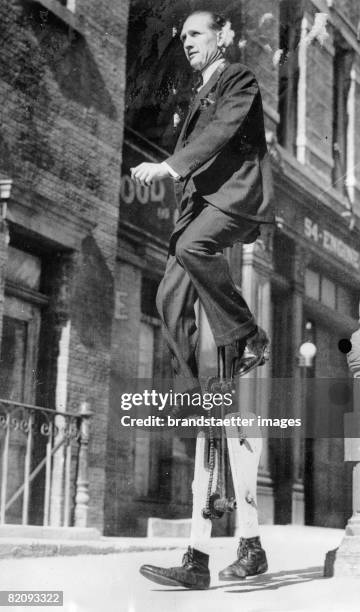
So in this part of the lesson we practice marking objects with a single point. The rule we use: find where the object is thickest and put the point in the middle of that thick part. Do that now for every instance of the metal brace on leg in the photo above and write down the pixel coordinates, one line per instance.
(217, 503)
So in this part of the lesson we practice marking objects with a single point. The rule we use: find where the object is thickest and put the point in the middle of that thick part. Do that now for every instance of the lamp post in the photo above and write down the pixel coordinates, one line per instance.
(306, 355)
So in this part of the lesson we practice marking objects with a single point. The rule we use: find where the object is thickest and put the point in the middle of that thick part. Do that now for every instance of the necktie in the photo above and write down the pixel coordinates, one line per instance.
(196, 84)
(198, 80)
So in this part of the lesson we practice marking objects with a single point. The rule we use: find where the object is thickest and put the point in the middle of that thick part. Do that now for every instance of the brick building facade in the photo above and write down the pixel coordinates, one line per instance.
(62, 85)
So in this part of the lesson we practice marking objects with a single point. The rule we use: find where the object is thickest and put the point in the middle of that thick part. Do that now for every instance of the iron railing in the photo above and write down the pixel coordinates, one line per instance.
(44, 456)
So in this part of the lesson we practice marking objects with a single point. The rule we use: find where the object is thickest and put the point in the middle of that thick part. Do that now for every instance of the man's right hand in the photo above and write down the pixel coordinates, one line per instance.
(145, 173)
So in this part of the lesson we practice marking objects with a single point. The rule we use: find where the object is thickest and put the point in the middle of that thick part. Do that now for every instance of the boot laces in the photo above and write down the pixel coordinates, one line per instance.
(188, 557)
(242, 548)
(246, 546)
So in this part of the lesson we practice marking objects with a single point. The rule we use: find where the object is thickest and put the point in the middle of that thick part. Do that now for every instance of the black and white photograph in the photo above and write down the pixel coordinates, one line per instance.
(180, 305)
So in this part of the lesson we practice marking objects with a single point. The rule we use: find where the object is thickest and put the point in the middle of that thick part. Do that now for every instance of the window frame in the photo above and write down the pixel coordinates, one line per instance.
(64, 13)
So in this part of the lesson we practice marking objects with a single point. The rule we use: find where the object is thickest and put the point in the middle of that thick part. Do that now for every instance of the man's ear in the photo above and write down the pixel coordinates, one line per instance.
(220, 38)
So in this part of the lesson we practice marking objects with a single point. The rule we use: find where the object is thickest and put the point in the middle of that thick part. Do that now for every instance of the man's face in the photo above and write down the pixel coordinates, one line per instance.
(200, 40)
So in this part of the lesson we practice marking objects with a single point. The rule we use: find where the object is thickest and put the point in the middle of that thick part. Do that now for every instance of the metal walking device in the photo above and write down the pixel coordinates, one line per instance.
(217, 502)
(240, 445)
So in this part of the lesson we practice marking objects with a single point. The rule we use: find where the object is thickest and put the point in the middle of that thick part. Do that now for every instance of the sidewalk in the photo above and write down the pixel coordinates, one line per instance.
(95, 583)
(35, 547)
(35, 541)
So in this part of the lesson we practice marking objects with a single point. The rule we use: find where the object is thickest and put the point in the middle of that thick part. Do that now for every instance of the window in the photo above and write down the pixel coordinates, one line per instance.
(343, 60)
(347, 302)
(312, 284)
(69, 4)
(328, 293)
(290, 31)
(21, 326)
(158, 75)
(60, 11)
(333, 295)
(283, 254)
(149, 289)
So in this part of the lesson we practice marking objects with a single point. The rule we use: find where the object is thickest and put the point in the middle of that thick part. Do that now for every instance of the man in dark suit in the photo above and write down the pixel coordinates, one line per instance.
(220, 165)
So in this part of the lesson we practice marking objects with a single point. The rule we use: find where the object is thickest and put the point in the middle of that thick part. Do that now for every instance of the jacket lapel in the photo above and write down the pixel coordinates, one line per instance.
(202, 93)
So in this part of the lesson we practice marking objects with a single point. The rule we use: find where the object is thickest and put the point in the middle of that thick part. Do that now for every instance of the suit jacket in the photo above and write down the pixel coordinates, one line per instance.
(221, 153)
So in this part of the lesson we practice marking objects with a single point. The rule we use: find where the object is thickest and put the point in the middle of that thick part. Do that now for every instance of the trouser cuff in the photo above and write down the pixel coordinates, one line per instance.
(238, 333)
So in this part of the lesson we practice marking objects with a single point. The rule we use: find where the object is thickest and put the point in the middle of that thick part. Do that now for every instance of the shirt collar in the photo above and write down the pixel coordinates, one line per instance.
(209, 70)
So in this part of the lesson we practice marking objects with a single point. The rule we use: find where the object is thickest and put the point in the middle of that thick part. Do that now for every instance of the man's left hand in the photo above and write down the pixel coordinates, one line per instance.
(146, 172)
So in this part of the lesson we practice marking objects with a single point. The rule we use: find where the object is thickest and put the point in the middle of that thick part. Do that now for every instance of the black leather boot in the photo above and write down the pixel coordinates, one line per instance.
(256, 352)
(250, 562)
(192, 574)
(242, 356)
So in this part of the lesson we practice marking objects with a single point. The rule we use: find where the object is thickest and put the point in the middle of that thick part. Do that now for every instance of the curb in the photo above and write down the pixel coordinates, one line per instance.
(19, 548)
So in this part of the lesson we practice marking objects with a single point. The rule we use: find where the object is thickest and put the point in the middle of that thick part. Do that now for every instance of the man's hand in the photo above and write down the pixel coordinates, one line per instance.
(146, 172)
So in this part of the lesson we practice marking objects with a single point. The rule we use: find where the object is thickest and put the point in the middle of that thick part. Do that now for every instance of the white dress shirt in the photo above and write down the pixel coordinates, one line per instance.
(209, 71)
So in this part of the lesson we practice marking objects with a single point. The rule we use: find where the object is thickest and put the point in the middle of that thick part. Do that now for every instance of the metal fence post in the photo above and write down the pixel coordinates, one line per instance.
(82, 482)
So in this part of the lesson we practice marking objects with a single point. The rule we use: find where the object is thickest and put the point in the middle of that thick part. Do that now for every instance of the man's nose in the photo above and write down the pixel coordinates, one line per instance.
(188, 44)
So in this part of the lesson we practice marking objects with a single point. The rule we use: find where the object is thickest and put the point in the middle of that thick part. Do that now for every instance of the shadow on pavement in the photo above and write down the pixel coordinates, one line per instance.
(281, 579)
(273, 581)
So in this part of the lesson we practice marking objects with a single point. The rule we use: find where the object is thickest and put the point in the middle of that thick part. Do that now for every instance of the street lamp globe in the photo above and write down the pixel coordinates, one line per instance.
(307, 352)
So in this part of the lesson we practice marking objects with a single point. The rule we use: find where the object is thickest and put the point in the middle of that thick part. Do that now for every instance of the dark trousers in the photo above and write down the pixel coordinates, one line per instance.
(197, 268)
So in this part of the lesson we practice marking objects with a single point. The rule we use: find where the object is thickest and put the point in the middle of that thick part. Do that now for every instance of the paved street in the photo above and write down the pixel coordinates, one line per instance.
(112, 582)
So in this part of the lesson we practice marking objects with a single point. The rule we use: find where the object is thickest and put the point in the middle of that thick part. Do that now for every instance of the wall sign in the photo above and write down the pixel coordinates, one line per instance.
(331, 243)
(150, 208)
(121, 306)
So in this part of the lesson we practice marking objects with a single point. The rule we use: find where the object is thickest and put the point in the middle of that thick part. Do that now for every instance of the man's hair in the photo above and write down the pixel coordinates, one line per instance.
(217, 20)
